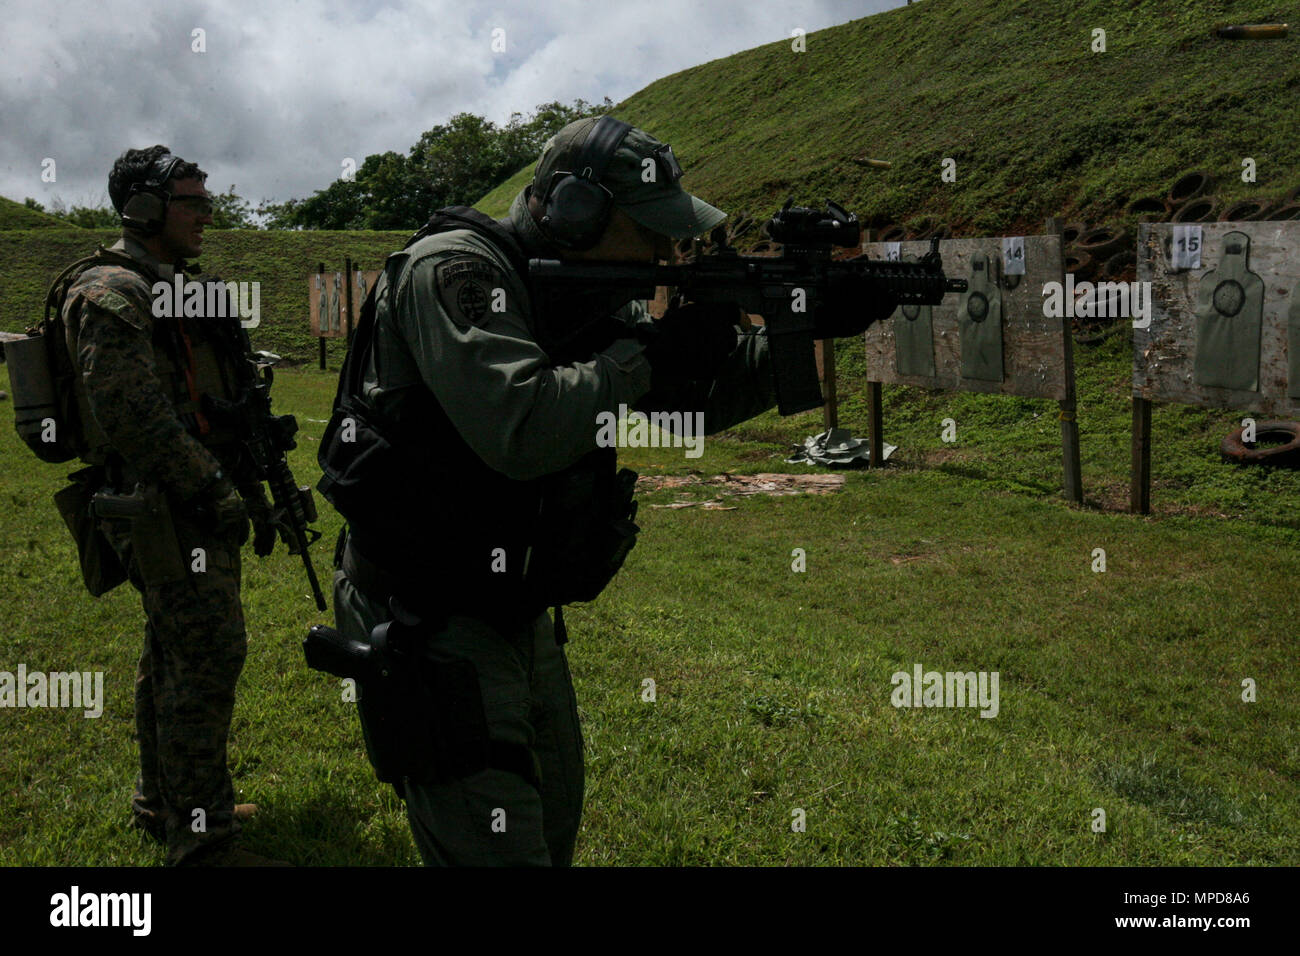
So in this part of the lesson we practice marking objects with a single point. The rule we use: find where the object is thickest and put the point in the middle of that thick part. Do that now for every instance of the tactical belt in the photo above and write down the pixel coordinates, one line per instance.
(379, 585)
(369, 578)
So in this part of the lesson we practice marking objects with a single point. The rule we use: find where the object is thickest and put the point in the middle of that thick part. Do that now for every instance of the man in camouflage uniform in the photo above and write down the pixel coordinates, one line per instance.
(459, 363)
(144, 379)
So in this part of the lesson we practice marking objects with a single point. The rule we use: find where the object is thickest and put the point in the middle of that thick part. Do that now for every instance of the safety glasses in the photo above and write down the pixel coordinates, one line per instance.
(199, 205)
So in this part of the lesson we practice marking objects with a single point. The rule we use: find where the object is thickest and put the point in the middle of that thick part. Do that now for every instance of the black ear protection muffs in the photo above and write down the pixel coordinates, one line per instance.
(576, 205)
(145, 209)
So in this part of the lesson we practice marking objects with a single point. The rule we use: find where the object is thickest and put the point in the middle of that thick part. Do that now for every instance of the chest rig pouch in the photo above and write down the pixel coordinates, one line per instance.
(433, 522)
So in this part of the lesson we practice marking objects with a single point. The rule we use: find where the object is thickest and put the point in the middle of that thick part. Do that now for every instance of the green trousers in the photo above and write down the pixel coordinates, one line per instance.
(497, 817)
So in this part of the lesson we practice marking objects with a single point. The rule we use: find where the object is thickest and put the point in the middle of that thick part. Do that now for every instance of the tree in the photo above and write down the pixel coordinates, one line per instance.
(451, 164)
(229, 211)
(87, 217)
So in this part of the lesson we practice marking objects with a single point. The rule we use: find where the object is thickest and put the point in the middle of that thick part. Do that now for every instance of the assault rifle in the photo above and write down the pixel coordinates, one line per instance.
(786, 289)
(267, 439)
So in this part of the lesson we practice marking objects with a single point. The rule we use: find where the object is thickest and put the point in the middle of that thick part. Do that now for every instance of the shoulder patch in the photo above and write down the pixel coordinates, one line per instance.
(118, 291)
(110, 300)
(468, 288)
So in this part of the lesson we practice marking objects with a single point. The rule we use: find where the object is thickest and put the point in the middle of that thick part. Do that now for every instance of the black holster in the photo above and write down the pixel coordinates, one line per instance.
(101, 568)
(421, 709)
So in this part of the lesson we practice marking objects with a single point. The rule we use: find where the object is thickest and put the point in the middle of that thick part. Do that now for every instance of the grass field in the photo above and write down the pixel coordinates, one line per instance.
(1119, 690)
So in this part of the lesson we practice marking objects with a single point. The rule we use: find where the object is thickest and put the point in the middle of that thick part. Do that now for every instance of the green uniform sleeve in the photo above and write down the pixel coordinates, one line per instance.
(127, 400)
(465, 322)
(743, 388)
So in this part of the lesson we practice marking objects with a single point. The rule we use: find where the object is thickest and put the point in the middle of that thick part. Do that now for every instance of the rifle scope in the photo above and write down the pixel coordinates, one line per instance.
(805, 226)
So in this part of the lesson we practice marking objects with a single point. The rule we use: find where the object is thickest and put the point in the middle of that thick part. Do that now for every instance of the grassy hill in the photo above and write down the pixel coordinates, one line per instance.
(280, 261)
(15, 215)
(497, 203)
(1037, 123)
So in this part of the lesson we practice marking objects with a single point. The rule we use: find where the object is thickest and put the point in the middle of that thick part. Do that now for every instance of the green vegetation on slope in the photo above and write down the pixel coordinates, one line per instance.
(14, 215)
(497, 203)
(1038, 124)
(280, 261)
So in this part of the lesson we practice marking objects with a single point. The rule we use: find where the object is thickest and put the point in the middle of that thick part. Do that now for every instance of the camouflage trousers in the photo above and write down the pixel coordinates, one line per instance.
(194, 650)
(497, 817)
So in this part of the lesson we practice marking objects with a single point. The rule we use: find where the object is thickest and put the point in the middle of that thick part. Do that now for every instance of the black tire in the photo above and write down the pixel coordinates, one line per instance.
(1080, 263)
(1189, 186)
(1071, 232)
(1200, 209)
(1148, 207)
(1246, 210)
(1118, 264)
(1286, 454)
(1284, 213)
(893, 233)
(1103, 242)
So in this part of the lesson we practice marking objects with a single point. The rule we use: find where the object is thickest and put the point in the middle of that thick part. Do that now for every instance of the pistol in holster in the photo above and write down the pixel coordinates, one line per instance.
(155, 546)
(101, 567)
(422, 713)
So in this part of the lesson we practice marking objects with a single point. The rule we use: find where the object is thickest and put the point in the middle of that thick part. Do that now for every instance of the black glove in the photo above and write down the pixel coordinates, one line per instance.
(690, 343)
(850, 306)
(259, 511)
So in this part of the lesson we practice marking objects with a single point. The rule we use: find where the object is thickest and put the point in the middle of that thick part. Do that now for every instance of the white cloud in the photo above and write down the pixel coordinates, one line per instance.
(286, 91)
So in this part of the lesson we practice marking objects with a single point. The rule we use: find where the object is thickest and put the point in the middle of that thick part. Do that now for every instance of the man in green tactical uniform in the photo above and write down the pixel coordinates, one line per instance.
(143, 388)
(475, 490)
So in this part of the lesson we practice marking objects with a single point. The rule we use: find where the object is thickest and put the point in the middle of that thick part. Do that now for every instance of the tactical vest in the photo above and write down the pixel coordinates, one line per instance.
(193, 357)
(428, 520)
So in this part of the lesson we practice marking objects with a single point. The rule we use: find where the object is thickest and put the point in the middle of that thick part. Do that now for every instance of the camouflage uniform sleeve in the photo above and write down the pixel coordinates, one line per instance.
(115, 352)
(741, 390)
(465, 322)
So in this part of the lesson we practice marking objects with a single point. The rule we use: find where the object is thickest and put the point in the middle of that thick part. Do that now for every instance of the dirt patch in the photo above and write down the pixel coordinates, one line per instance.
(719, 487)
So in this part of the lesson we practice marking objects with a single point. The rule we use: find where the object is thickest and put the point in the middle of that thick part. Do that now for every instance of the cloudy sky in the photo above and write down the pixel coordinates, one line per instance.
(286, 90)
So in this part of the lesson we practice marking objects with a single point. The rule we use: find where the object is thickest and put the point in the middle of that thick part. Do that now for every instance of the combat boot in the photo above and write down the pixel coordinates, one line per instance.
(155, 824)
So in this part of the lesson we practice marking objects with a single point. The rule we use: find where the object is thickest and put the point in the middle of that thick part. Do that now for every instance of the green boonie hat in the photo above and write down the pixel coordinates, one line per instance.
(660, 205)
